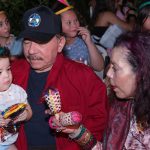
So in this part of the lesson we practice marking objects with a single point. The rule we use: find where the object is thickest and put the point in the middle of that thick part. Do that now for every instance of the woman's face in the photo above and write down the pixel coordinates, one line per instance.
(122, 78)
(70, 23)
(4, 26)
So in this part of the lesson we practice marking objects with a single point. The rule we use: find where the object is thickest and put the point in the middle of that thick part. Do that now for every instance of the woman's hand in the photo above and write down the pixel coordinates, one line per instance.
(70, 129)
(55, 123)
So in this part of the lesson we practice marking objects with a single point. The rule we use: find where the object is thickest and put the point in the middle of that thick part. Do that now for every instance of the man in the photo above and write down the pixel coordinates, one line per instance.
(80, 89)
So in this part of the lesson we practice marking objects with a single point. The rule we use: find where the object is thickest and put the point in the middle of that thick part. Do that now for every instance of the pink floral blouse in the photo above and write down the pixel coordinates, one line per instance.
(137, 140)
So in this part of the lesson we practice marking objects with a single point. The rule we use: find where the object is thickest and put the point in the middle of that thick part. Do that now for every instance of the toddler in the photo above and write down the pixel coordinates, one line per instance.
(10, 94)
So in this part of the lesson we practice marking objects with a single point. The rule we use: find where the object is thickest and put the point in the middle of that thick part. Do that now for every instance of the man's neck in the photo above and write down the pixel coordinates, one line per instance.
(42, 70)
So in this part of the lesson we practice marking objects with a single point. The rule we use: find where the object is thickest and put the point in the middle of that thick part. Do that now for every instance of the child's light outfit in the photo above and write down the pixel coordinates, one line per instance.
(15, 94)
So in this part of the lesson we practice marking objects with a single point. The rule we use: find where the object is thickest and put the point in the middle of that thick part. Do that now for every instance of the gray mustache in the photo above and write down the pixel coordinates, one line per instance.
(34, 57)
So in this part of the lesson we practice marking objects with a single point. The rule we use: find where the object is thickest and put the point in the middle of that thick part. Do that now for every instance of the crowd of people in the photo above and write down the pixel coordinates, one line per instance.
(54, 52)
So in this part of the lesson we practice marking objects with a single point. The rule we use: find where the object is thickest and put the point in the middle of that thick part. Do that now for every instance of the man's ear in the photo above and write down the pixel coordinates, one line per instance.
(61, 43)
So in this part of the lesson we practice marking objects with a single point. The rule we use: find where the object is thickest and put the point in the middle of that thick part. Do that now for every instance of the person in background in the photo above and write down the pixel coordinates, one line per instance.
(105, 28)
(79, 45)
(129, 114)
(122, 8)
(143, 17)
(104, 15)
(7, 39)
(132, 17)
(10, 94)
(45, 67)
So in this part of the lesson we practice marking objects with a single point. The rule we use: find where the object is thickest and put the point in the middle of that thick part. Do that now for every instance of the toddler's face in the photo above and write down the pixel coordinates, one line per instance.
(70, 23)
(4, 26)
(5, 74)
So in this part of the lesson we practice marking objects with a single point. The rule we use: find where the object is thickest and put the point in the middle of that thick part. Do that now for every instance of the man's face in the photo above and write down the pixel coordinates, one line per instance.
(42, 56)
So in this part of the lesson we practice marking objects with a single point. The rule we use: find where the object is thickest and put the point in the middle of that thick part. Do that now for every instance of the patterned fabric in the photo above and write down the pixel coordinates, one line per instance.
(122, 132)
(98, 146)
(77, 51)
(70, 118)
(118, 125)
(137, 139)
(13, 95)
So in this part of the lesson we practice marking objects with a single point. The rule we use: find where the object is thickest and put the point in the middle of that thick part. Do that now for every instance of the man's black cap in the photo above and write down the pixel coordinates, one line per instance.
(40, 24)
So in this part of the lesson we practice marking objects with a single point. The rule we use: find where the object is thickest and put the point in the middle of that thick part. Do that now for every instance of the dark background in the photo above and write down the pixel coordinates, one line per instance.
(16, 8)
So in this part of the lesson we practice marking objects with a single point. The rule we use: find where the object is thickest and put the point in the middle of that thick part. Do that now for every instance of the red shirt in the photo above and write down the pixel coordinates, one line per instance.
(80, 90)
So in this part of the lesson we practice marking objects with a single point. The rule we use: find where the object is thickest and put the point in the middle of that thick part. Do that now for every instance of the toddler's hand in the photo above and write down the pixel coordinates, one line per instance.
(22, 117)
(3, 122)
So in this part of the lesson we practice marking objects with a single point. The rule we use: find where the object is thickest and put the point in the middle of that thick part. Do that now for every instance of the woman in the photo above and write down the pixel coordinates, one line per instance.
(129, 119)
(129, 115)
(143, 18)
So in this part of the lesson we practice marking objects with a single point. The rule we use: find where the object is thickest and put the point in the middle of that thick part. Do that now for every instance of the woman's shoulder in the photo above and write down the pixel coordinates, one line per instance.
(106, 14)
(104, 18)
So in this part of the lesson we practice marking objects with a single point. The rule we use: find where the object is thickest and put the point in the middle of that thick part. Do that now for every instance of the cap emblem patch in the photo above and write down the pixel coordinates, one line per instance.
(34, 20)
